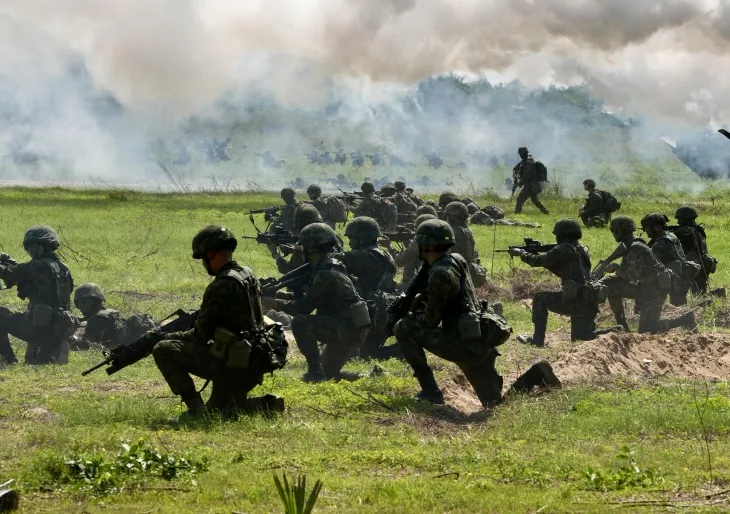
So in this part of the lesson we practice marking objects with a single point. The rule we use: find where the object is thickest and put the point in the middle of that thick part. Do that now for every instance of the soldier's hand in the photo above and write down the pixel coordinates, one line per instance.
(268, 303)
(516, 252)
(612, 268)
(384, 241)
(417, 302)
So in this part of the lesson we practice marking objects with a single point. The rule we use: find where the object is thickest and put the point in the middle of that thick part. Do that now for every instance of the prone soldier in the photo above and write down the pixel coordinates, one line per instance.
(529, 175)
(102, 324)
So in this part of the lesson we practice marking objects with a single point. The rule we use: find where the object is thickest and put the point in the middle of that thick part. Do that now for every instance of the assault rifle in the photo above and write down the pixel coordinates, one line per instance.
(268, 212)
(122, 356)
(531, 246)
(351, 198)
(295, 279)
(600, 268)
(401, 235)
(402, 305)
(277, 236)
(6, 260)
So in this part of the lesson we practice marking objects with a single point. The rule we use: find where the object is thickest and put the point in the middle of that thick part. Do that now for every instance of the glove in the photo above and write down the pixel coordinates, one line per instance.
(516, 252)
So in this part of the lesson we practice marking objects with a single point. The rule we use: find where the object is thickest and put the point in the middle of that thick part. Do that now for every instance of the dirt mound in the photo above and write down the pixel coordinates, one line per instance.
(459, 394)
(41, 414)
(704, 356)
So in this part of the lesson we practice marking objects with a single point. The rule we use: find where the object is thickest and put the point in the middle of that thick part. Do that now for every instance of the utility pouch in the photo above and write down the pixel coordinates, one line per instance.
(239, 354)
(664, 279)
(222, 339)
(470, 326)
(360, 314)
(41, 316)
(690, 270)
(570, 290)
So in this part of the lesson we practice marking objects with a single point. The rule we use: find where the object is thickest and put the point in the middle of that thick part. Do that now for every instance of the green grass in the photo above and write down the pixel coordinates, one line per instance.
(531, 453)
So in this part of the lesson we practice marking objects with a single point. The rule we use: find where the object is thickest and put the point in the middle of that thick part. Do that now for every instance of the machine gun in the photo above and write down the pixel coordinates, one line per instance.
(268, 212)
(531, 246)
(277, 236)
(295, 279)
(122, 356)
(602, 265)
(402, 305)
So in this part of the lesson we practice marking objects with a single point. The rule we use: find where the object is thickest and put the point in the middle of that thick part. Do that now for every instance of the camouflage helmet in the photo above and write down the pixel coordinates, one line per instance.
(446, 198)
(426, 209)
(213, 237)
(314, 189)
(686, 212)
(523, 150)
(400, 186)
(363, 227)
(456, 209)
(367, 187)
(624, 224)
(589, 182)
(471, 207)
(435, 233)
(42, 234)
(424, 217)
(654, 218)
(287, 191)
(306, 214)
(388, 187)
(567, 228)
(88, 291)
(317, 236)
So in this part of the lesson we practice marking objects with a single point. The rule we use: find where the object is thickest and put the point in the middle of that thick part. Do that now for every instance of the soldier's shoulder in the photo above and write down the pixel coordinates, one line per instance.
(107, 313)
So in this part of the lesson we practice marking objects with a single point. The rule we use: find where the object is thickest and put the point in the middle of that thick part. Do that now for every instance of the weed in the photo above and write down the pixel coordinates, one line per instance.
(627, 475)
(293, 495)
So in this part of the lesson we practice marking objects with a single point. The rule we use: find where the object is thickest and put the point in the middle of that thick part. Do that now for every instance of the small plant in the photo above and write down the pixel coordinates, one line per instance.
(118, 195)
(627, 475)
(292, 495)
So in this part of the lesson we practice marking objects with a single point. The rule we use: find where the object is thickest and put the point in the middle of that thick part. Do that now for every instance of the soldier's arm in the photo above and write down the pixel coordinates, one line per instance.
(410, 254)
(13, 274)
(632, 267)
(663, 250)
(443, 286)
(317, 293)
(546, 260)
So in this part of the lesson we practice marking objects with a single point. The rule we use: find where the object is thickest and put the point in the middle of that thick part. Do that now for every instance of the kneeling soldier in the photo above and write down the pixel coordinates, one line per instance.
(102, 324)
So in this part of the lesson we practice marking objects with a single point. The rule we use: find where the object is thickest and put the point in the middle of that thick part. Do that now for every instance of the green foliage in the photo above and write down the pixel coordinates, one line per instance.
(627, 475)
(293, 495)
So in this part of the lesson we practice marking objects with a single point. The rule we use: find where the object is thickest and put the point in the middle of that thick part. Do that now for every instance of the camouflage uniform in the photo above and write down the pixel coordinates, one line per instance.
(405, 203)
(380, 209)
(320, 203)
(46, 283)
(667, 250)
(594, 207)
(409, 258)
(525, 173)
(102, 324)
(456, 214)
(693, 239)
(285, 219)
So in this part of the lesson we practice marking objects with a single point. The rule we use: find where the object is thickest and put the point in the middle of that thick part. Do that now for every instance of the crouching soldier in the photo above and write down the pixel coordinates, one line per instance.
(102, 324)
(448, 320)
(244, 348)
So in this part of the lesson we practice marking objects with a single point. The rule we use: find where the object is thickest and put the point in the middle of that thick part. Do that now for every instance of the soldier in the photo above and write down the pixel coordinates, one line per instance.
(270, 161)
(373, 206)
(357, 159)
(409, 258)
(411, 195)
(102, 324)
(694, 243)
(340, 322)
(471, 206)
(452, 324)
(231, 306)
(456, 215)
(316, 199)
(285, 219)
(596, 211)
(529, 175)
(403, 201)
(667, 249)
(641, 277)
(569, 260)
(340, 157)
(46, 283)
(426, 209)
(445, 199)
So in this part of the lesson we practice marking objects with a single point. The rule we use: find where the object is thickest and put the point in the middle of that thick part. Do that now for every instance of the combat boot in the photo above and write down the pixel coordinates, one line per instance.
(266, 403)
(430, 391)
(539, 375)
(526, 339)
(196, 409)
(315, 372)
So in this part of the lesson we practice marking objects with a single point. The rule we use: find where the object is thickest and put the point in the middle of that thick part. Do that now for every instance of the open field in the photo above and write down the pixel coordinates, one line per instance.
(610, 442)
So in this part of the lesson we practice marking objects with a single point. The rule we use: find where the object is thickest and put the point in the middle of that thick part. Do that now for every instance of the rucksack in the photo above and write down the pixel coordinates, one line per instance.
(132, 329)
(336, 210)
(610, 202)
(269, 348)
(541, 172)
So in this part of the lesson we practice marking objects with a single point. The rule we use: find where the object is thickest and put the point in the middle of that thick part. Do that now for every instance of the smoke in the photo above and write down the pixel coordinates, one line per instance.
(91, 83)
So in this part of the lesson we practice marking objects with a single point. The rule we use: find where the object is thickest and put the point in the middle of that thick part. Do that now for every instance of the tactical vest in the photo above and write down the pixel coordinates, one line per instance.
(54, 292)
(245, 277)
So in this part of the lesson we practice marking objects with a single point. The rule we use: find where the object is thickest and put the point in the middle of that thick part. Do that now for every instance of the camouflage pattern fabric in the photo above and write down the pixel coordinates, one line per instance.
(594, 207)
(410, 262)
(404, 203)
(285, 219)
(466, 247)
(694, 243)
(482, 218)
(379, 209)
(101, 329)
(668, 250)
(373, 269)
(530, 190)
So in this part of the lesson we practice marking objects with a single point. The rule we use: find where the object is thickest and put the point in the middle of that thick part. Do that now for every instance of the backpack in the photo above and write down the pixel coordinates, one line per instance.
(495, 330)
(612, 205)
(132, 329)
(336, 210)
(493, 212)
(541, 172)
(268, 348)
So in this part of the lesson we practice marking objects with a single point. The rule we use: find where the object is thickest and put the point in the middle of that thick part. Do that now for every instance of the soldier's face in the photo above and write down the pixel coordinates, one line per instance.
(618, 235)
(35, 250)
(87, 305)
(652, 231)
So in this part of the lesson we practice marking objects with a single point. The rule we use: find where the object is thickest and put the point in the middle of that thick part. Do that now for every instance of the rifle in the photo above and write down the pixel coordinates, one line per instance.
(277, 236)
(531, 246)
(5, 261)
(296, 278)
(122, 356)
(402, 305)
(600, 268)
(401, 235)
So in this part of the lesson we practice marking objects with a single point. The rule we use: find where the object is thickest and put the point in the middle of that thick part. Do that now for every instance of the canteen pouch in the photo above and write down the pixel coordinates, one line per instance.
(470, 326)
(690, 270)
(222, 339)
(495, 330)
(570, 290)
(664, 279)
(709, 264)
(239, 354)
(360, 314)
(41, 316)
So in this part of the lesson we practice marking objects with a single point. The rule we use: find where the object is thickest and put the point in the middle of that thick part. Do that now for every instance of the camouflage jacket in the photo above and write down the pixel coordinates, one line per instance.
(639, 264)
(594, 203)
(102, 327)
(404, 203)
(231, 301)
(693, 239)
(525, 172)
(450, 292)
(379, 209)
(285, 219)
(331, 293)
(464, 243)
(373, 268)
(568, 261)
(44, 281)
(667, 249)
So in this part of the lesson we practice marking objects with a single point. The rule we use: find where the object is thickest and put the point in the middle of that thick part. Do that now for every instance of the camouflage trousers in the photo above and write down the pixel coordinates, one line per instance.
(475, 359)
(649, 302)
(177, 360)
(530, 191)
(44, 346)
(589, 218)
(340, 340)
(582, 316)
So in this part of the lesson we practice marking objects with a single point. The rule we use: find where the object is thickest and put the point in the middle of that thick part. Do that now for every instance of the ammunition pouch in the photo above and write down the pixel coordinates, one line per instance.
(570, 291)
(41, 316)
(709, 264)
(494, 328)
(478, 273)
(360, 314)
(65, 324)
(664, 279)
(470, 326)
(230, 349)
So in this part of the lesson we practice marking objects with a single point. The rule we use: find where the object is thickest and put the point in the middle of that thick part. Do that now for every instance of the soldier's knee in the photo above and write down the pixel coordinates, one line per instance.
(300, 324)
(403, 330)
(162, 350)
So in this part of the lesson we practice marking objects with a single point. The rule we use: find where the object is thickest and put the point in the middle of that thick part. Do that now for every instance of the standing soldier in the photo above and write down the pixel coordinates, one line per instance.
(693, 238)
(285, 219)
(596, 211)
(529, 175)
(46, 283)
(640, 277)
(569, 261)
(102, 324)
(456, 215)
(342, 319)
(230, 310)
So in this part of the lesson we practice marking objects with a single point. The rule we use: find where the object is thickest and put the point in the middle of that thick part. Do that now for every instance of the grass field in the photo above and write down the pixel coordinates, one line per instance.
(617, 444)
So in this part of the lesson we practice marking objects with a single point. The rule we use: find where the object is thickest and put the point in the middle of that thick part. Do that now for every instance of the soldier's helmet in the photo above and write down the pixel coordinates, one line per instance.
(523, 151)
(287, 192)
(89, 290)
(213, 237)
(446, 198)
(686, 212)
(623, 224)
(306, 214)
(367, 187)
(314, 189)
(426, 209)
(42, 234)
(567, 228)
(589, 182)
(400, 186)
(388, 187)
(317, 236)
(424, 217)
(456, 210)
(471, 205)
(436, 233)
(654, 218)
(363, 227)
